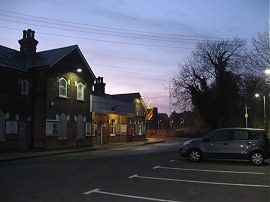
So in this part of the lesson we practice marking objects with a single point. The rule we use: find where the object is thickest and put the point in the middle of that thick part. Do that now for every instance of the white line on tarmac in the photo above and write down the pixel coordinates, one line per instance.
(127, 196)
(198, 182)
(212, 171)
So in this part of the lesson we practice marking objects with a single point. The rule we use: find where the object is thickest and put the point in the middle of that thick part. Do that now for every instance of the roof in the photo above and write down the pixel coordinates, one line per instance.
(10, 58)
(107, 105)
(13, 59)
(128, 97)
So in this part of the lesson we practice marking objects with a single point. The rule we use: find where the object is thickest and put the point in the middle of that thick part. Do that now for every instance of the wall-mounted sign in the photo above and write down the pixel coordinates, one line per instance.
(52, 128)
(11, 127)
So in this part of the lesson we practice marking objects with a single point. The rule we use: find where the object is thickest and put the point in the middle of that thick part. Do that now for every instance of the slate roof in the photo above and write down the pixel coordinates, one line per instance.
(129, 97)
(13, 59)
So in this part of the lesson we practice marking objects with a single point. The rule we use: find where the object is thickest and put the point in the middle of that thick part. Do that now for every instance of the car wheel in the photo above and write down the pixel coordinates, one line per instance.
(194, 155)
(257, 158)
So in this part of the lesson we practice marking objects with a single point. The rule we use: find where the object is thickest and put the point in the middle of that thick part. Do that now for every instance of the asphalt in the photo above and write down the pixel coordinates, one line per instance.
(17, 155)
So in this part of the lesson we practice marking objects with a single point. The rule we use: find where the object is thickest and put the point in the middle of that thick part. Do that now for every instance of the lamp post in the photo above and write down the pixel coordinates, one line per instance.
(148, 103)
(267, 72)
(264, 114)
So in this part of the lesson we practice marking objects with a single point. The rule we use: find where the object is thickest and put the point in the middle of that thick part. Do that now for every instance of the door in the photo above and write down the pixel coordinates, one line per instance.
(23, 135)
(217, 144)
(99, 132)
(240, 144)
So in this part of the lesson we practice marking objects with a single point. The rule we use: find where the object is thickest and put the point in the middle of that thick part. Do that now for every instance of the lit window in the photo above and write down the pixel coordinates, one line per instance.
(112, 127)
(24, 87)
(80, 91)
(62, 87)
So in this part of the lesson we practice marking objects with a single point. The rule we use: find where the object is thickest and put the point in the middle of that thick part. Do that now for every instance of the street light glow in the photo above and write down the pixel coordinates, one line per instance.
(257, 95)
(267, 71)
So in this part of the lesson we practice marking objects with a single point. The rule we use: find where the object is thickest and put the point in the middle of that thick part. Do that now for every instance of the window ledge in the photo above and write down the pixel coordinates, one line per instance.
(63, 97)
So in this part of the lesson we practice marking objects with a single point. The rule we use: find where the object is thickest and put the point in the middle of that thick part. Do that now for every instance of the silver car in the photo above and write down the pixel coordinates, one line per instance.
(229, 143)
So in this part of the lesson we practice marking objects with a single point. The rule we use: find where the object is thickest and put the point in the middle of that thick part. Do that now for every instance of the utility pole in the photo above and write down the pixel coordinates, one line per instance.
(246, 113)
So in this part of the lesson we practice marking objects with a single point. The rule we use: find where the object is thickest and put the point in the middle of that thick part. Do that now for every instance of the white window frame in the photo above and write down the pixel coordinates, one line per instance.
(94, 129)
(88, 131)
(80, 91)
(24, 87)
(112, 127)
(63, 88)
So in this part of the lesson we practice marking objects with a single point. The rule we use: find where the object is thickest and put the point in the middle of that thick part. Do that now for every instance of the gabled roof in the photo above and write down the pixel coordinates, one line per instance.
(50, 57)
(13, 59)
(128, 97)
(10, 58)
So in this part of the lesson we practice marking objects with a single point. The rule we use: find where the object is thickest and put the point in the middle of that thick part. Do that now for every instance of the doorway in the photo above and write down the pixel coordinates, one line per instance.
(99, 132)
(23, 135)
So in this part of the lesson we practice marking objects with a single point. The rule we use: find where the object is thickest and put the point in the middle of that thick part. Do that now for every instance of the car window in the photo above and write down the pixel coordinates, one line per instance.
(219, 135)
(240, 135)
(254, 135)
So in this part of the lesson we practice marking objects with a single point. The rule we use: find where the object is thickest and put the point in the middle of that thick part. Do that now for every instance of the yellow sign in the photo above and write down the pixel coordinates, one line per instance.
(246, 115)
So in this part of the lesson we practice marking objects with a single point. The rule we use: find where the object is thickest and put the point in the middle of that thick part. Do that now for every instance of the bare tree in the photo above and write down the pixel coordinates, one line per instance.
(259, 58)
(208, 78)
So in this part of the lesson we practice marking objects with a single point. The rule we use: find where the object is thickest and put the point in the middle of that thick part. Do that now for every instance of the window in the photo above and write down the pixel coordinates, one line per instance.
(220, 135)
(112, 127)
(240, 135)
(94, 129)
(80, 91)
(254, 135)
(24, 87)
(62, 87)
(88, 128)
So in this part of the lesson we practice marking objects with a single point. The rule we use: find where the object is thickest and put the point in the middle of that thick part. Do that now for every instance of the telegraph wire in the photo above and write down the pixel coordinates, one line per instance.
(104, 27)
(108, 55)
(134, 59)
(120, 34)
(109, 33)
(109, 41)
(100, 33)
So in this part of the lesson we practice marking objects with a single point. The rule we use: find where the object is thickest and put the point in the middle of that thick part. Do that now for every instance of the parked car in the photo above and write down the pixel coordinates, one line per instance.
(229, 143)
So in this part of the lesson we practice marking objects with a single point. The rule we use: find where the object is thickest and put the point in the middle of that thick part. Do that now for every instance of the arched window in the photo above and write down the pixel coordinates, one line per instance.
(24, 87)
(62, 87)
(80, 91)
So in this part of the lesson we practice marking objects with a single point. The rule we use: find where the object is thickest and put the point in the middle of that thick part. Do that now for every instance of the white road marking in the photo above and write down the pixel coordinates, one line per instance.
(212, 171)
(125, 195)
(198, 182)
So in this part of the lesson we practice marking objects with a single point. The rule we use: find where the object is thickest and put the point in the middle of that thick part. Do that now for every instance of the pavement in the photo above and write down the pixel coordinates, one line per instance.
(12, 155)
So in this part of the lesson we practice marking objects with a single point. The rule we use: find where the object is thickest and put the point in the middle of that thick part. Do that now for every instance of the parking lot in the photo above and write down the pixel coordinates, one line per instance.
(180, 180)
(152, 172)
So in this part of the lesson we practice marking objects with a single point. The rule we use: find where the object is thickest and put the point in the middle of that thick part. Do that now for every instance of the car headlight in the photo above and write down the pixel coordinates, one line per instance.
(186, 142)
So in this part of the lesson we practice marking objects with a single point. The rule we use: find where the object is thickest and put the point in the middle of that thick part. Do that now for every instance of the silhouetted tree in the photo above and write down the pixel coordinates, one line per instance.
(210, 79)
(163, 121)
(259, 57)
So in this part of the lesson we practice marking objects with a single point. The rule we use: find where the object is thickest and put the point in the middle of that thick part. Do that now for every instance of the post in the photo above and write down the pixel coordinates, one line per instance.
(246, 113)
(264, 113)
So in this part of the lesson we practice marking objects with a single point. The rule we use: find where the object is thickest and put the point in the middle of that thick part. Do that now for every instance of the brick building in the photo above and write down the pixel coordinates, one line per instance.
(47, 99)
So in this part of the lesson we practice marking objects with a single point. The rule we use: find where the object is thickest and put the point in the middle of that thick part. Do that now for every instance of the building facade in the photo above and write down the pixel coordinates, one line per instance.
(52, 98)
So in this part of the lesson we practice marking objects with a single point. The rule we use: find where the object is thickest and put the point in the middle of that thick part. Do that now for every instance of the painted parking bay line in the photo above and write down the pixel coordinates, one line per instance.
(212, 171)
(198, 182)
(98, 191)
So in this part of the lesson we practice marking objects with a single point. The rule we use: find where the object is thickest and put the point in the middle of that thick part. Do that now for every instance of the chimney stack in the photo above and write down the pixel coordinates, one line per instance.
(99, 86)
(28, 42)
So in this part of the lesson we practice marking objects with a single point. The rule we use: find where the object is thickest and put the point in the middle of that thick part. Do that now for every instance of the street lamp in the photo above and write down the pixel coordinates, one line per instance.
(267, 71)
(148, 103)
(264, 114)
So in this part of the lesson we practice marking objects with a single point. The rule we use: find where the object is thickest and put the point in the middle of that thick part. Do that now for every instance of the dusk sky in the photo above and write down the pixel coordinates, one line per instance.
(136, 45)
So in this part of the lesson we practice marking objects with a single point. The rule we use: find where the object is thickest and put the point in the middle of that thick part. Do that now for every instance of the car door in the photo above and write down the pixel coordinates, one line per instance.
(239, 144)
(216, 144)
